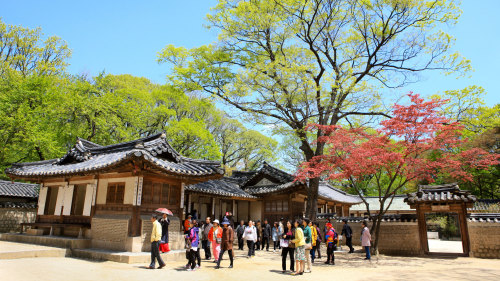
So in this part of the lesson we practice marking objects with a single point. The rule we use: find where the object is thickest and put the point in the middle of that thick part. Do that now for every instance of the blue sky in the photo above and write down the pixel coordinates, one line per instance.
(125, 36)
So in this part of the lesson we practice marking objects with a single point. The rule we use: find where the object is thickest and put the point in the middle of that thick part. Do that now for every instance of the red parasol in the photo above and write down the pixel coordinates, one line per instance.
(164, 211)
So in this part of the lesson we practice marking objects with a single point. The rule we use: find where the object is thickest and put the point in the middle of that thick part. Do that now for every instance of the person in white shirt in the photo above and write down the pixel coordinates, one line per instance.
(250, 236)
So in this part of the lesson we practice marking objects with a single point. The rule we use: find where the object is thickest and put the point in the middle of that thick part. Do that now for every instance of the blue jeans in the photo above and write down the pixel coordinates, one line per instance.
(313, 253)
(367, 250)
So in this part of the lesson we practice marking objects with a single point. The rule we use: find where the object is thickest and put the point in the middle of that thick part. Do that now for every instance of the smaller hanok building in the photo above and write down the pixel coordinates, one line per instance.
(18, 194)
(397, 207)
(107, 193)
(17, 204)
(268, 193)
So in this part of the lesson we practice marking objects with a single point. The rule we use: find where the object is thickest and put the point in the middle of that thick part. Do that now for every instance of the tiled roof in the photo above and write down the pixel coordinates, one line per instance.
(398, 204)
(29, 205)
(18, 189)
(225, 187)
(486, 206)
(269, 172)
(482, 217)
(263, 189)
(446, 193)
(86, 157)
(327, 191)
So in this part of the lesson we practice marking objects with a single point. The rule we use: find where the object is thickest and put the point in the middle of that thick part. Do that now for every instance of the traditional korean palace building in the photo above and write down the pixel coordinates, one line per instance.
(268, 193)
(107, 193)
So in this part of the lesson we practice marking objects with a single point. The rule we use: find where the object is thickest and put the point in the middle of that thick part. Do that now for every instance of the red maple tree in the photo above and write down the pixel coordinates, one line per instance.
(416, 144)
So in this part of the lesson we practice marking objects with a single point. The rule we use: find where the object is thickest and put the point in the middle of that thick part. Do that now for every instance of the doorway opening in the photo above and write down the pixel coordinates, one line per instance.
(444, 233)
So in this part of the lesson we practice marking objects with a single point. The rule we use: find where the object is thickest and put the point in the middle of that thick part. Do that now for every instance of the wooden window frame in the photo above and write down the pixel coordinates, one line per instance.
(167, 195)
(113, 187)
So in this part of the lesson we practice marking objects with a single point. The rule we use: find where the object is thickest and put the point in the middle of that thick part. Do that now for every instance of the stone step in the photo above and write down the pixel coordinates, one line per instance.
(54, 241)
(14, 250)
(126, 257)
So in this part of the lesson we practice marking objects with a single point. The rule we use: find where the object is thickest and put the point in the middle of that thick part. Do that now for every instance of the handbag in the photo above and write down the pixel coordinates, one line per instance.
(218, 240)
(308, 246)
(284, 243)
(187, 246)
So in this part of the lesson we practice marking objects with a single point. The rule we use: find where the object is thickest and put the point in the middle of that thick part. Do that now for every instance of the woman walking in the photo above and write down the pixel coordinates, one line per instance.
(287, 246)
(194, 238)
(314, 239)
(164, 221)
(331, 239)
(250, 235)
(274, 236)
(227, 242)
(300, 254)
(319, 240)
(308, 245)
(215, 237)
(366, 239)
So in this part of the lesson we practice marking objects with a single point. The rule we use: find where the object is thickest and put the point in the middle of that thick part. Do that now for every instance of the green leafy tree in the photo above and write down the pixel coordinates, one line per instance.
(482, 128)
(292, 62)
(242, 148)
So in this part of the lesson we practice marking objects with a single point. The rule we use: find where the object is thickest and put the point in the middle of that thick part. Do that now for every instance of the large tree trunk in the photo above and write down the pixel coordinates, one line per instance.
(312, 199)
(376, 230)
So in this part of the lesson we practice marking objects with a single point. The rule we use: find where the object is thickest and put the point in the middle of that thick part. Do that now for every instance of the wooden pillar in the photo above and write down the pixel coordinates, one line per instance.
(422, 229)
(213, 208)
(234, 209)
(464, 231)
(249, 202)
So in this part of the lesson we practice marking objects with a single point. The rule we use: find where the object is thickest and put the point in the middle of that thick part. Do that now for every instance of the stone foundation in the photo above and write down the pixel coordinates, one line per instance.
(484, 239)
(110, 232)
(175, 236)
(11, 218)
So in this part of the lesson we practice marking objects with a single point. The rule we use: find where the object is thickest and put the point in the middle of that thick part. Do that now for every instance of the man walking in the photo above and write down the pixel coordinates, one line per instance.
(155, 244)
(227, 242)
(259, 235)
(205, 243)
(266, 235)
(347, 232)
(240, 230)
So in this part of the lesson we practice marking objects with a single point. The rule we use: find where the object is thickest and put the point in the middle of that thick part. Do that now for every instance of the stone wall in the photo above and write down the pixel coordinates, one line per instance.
(484, 239)
(110, 232)
(175, 236)
(11, 218)
(396, 238)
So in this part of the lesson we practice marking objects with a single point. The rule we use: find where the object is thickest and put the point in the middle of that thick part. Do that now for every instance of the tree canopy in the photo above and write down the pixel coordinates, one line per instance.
(294, 62)
(43, 109)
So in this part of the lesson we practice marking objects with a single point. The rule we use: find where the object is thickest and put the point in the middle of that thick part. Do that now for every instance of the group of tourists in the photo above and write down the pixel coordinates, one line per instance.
(299, 241)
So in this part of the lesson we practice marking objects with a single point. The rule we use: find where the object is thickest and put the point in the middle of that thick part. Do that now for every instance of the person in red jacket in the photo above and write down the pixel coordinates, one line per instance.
(215, 236)
(331, 243)
(187, 223)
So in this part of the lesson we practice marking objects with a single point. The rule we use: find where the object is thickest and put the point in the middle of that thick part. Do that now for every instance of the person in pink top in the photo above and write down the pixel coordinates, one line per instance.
(366, 239)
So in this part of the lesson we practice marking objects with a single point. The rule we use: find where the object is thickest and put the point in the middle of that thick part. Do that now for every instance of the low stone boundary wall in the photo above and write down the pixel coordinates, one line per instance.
(484, 239)
(11, 218)
(396, 238)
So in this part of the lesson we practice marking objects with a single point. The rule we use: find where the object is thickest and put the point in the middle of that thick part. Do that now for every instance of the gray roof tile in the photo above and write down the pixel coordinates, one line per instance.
(86, 157)
(18, 189)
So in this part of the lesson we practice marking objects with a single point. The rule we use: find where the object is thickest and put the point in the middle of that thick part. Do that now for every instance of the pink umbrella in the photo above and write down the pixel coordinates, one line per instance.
(164, 211)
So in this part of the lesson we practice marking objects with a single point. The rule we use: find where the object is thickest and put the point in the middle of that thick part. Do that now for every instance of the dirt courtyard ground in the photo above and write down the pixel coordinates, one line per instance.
(265, 266)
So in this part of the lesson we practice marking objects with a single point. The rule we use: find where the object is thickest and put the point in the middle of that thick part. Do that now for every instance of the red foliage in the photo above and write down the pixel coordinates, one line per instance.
(400, 148)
